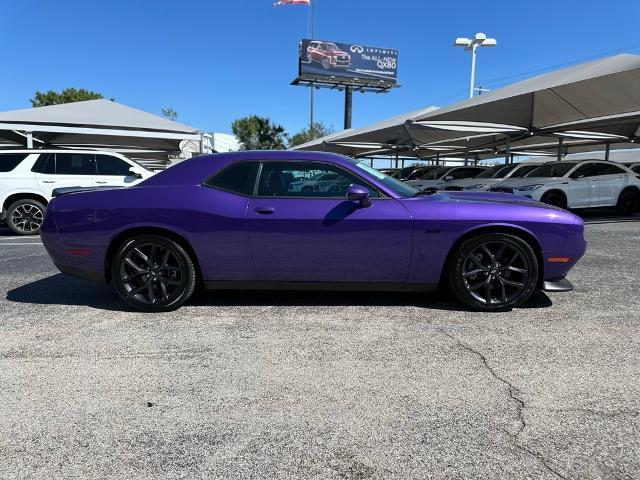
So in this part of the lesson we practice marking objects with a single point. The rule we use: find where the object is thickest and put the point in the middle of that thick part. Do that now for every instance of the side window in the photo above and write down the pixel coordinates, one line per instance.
(636, 168)
(75, 164)
(606, 169)
(46, 163)
(583, 171)
(460, 173)
(108, 165)
(9, 161)
(237, 178)
(306, 180)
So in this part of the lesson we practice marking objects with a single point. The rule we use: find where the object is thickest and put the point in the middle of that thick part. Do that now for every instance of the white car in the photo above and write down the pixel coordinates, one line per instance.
(28, 178)
(579, 184)
(439, 178)
(493, 176)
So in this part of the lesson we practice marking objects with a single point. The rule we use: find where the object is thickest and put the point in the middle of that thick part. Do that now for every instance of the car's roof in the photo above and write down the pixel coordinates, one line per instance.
(55, 150)
(195, 170)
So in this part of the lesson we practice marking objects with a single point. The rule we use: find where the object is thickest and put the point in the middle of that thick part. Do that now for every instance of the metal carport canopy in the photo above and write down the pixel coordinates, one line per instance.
(579, 108)
(94, 124)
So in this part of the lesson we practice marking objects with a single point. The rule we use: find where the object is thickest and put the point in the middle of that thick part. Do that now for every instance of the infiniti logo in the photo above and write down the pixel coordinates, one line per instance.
(356, 49)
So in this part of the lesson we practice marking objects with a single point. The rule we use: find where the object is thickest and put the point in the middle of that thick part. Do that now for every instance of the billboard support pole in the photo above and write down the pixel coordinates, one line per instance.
(348, 106)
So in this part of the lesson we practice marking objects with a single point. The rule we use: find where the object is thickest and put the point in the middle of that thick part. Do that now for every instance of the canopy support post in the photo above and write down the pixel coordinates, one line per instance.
(29, 139)
(507, 150)
(560, 142)
(606, 151)
(438, 159)
(397, 153)
(466, 155)
(348, 106)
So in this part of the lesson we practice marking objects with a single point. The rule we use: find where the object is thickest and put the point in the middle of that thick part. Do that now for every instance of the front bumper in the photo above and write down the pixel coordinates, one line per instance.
(560, 285)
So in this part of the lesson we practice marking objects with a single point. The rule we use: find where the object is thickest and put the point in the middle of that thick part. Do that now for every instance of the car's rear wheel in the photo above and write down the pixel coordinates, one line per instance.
(628, 202)
(25, 217)
(153, 273)
(555, 199)
(493, 272)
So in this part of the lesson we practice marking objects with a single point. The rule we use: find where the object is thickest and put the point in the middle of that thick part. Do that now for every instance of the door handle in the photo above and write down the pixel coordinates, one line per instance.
(48, 181)
(101, 181)
(265, 210)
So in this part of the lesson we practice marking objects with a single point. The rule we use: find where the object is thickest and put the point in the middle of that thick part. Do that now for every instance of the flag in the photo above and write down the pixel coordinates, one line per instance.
(280, 3)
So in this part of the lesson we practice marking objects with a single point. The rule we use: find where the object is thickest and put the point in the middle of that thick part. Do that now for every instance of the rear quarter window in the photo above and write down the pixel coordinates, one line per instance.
(238, 178)
(9, 161)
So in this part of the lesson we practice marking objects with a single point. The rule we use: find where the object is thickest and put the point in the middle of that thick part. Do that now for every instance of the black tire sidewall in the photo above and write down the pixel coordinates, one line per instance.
(456, 282)
(621, 202)
(18, 203)
(561, 203)
(184, 258)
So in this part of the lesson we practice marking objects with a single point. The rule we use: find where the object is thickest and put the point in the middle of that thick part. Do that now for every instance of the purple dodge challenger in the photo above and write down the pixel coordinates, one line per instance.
(236, 221)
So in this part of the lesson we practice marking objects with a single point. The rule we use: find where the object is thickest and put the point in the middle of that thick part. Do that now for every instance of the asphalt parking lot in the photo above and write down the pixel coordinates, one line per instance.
(321, 385)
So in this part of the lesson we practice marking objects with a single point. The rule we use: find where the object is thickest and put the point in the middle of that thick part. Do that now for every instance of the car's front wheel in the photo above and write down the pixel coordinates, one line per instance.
(493, 272)
(25, 217)
(152, 273)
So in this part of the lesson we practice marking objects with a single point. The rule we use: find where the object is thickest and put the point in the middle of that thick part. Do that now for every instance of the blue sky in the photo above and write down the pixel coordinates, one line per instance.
(214, 61)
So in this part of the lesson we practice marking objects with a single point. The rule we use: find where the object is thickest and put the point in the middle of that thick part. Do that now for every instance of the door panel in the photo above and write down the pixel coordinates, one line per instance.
(579, 192)
(329, 240)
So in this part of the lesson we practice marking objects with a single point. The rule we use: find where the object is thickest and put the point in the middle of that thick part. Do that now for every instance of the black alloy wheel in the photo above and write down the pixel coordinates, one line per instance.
(628, 202)
(554, 199)
(494, 272)
(25, 217)
(153, 273)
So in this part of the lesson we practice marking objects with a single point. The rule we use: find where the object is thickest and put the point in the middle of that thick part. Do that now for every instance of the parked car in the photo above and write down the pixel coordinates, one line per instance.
(229, 221)
(392, 172)
(320, 182)
(635, 168)
(419, 172)
(28, 177)
(493, 175)
(439, 178)
(328, 55)
(579, 184)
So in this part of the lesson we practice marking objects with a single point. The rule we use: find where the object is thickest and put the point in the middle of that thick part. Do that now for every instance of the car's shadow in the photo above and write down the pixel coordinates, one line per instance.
(61, 289)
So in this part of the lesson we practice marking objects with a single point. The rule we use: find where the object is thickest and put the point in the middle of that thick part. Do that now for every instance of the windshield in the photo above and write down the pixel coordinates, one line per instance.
(552, 169)
(331, 46)
(524, 171)
(401, 189)
(418, 173)
(497, 171)
(435, 174)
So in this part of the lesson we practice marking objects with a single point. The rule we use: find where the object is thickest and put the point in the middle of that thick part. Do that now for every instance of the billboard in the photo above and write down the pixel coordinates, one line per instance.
(345, 63)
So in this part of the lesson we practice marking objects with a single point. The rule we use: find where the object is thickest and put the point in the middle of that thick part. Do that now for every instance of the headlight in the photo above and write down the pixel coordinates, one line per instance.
(528, 188)
(475, 187)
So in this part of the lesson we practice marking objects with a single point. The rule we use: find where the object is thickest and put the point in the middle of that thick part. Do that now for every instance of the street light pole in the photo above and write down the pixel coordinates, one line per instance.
(480, 40)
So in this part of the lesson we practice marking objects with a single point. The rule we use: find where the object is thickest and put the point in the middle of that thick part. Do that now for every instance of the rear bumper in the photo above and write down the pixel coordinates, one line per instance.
(96, 277)
(561, 285)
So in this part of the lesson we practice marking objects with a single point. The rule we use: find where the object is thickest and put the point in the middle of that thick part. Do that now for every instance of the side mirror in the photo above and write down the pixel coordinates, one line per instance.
(358, 193)
(135, 172)
(448, 178)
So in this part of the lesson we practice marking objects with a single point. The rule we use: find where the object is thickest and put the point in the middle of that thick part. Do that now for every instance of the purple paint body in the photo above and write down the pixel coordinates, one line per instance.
(395, 240)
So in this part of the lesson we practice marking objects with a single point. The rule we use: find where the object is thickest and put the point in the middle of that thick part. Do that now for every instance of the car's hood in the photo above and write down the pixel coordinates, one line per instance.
(485, 198)
(521, 182)
(474, 181)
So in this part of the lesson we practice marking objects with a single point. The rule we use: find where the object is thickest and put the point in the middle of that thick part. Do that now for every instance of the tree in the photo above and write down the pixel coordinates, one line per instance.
(317, 130)
(169, 113)
(68, 95)
(259, 133)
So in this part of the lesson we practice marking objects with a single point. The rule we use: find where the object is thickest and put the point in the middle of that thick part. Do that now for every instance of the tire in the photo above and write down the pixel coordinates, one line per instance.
(505, 263)
(326, 64)
(628, 202)
(152, 273)
(555, 199)
(25, 217)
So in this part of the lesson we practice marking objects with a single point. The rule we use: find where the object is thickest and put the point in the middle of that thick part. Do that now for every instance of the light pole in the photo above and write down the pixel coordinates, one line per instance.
(480, 40)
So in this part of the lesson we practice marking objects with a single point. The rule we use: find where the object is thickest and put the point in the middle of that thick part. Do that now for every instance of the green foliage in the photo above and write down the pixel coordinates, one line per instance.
(68, 95)
(169, 113)
(259, 133)
(317, 130)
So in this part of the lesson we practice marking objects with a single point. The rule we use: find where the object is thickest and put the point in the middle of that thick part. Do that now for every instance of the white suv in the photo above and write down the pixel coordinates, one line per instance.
(28, 178)
(584, 184)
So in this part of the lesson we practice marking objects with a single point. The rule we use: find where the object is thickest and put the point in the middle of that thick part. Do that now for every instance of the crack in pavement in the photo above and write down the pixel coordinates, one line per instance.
(514, 396)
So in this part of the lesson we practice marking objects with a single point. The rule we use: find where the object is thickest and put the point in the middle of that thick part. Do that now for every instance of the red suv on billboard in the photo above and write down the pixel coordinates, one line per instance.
(328, 54)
